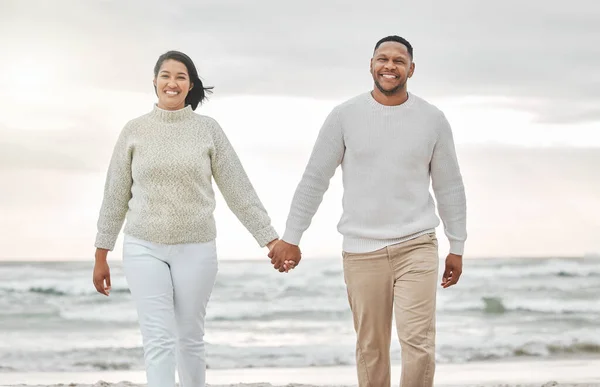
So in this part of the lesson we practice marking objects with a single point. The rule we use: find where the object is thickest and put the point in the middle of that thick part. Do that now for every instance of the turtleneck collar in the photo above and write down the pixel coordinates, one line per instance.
(171, 115)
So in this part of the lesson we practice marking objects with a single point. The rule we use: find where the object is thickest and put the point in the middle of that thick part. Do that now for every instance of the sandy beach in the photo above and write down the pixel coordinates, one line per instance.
(564, 373)
(128, 384)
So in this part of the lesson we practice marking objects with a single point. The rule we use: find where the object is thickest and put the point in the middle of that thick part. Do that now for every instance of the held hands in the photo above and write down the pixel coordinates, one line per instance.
(284, 256)
(453, 270)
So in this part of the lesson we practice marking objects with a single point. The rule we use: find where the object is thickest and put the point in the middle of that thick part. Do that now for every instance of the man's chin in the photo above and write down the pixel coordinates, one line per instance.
(389, 91)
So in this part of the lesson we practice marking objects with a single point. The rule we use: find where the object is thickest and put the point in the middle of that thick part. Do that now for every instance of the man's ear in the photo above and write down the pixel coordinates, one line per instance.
(411, 70)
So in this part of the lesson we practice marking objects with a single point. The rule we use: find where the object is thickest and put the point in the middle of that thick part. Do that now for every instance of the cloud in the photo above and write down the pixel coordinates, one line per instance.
(541, 50)
(69, 149)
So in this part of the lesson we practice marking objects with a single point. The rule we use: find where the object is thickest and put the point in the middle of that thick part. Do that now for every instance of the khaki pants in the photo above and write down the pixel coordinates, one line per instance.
(403, 278)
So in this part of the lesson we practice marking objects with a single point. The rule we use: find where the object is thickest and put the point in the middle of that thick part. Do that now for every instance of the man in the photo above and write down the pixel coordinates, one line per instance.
(391, 144)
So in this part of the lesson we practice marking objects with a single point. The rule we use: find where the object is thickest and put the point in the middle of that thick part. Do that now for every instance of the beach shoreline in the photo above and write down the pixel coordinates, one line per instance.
(526, 373)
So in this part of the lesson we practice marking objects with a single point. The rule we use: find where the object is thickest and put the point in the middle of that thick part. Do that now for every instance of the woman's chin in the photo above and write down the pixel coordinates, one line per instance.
(171, 105)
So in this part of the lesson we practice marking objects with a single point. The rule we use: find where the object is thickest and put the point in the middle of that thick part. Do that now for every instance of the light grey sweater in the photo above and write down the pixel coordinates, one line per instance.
(389, 156)
(160, 178)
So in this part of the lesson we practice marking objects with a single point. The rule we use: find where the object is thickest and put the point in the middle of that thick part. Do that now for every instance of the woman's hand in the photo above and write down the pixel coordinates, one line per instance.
(101, 276)
(272, 244)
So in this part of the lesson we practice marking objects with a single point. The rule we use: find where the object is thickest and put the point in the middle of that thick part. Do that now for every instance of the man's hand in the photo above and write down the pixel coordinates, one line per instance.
(453, 270)
(285, 256)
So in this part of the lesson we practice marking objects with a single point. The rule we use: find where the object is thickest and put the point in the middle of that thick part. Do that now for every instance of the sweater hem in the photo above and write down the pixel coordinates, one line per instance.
(367, 245)
(166, 238)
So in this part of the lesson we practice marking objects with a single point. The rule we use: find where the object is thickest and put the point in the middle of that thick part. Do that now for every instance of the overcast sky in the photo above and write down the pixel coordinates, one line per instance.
(514, 78)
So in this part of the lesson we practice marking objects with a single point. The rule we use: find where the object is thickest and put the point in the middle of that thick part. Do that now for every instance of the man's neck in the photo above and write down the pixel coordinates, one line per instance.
(398, 98)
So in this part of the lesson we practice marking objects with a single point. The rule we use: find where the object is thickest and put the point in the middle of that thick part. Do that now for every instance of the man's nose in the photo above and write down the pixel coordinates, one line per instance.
(390, 65)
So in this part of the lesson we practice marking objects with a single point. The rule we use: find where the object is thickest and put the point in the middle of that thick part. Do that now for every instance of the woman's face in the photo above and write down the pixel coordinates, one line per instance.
(172, 85)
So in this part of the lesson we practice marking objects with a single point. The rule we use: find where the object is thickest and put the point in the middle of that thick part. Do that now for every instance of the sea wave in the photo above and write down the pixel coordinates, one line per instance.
(99, 365)
(546, 350)
(48, 291)
(60, 291)
(496, 305)
(501, 309)
(563, 273)
(533, 349)
(236, 357)
(304, 315)
(575, 348)
(533, 268)
(81, 359)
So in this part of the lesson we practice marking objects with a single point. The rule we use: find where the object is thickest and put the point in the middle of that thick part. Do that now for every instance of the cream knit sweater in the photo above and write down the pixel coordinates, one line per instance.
(160, 179)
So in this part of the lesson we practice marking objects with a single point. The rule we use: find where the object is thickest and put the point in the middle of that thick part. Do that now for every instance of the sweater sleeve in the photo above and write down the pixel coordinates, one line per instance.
(326, 156)
(237, 190)
(117, 193)
(448, 188)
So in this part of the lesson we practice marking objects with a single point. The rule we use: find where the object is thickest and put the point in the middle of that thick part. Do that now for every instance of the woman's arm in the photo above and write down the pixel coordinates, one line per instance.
(117, 193)
(234, 184)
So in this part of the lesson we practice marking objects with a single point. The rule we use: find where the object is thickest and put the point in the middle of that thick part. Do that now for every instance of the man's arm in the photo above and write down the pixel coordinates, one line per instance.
(450, 195)
(326, 156)
(448, 188)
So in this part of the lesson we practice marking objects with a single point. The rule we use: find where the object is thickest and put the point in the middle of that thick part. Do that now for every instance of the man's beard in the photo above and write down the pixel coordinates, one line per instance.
(391, 92)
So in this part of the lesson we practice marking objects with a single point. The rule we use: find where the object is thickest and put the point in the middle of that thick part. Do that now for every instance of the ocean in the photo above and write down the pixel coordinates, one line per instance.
(52, 319)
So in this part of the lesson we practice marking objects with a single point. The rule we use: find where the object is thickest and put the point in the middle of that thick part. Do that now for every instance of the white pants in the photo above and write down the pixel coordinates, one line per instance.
(171, 286)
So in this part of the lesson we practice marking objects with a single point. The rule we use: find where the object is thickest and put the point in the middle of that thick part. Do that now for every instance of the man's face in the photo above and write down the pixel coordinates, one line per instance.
(391, 66)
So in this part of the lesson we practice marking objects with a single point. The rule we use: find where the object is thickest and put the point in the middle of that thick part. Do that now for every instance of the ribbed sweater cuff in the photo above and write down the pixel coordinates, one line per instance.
(265, 235)
(292, 236)
(106, 241)
(457, 247)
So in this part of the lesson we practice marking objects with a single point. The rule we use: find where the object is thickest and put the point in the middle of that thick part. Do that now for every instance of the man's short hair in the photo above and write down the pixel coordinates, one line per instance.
(397, 39)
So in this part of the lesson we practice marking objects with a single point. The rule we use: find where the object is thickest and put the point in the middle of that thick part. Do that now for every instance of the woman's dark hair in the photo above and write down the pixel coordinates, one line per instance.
(198, 93)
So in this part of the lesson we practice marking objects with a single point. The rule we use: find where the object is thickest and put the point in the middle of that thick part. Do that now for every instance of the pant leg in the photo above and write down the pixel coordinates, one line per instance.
(415, 265)
(369, 283)
(149, 280)
(194, 270)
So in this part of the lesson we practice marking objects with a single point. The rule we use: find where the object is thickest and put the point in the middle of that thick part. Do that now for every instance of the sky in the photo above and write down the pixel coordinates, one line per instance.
(516, 80)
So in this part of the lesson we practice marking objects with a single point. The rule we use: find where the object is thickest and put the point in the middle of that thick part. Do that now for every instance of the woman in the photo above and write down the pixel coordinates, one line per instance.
(159, 177)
